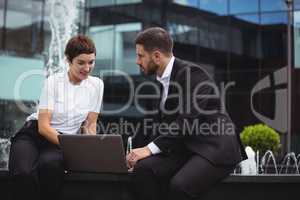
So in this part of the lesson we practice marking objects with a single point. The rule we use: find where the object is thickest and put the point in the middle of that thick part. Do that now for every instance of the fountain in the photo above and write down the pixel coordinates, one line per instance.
(267, 164)
(4, 152)
(286, 164)
(62, 17)
(249, 166)
(264, 165)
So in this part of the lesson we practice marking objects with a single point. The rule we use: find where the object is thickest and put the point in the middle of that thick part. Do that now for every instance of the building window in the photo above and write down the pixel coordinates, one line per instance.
(23, 18)
(273, 5)
(242, 6)
(96, 3)
(219, 7)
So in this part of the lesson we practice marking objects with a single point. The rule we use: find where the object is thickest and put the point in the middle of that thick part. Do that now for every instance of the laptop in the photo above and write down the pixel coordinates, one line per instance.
(93, 153)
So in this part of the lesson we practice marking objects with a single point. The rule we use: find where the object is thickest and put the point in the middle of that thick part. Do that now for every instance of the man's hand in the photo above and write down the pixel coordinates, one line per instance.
(136, 155)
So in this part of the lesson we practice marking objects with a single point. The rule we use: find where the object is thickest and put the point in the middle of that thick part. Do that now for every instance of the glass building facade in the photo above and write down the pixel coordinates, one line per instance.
(239, 42)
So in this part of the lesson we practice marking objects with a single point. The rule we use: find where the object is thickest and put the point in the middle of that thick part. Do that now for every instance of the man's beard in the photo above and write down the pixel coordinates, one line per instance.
(152, 68)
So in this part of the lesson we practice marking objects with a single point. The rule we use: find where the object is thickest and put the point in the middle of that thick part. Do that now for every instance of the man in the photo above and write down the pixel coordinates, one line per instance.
(197, 146)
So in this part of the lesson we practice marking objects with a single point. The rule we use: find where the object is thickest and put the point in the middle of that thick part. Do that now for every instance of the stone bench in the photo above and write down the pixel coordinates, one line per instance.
(92, 186)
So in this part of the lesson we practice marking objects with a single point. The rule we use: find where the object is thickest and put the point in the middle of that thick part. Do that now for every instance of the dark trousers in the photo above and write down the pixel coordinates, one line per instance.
(35, 165)
(175, 177)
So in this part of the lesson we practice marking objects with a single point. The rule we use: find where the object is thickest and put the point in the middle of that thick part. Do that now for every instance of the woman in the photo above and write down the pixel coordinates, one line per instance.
(67, 101)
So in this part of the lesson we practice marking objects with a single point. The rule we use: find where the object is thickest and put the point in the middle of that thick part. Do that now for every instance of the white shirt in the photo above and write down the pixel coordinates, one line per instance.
(69, 103)
(165, 81)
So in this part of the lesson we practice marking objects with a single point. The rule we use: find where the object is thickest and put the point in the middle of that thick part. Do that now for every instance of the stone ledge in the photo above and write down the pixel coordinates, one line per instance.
(263, 178)
(235, 178)
(92, 186)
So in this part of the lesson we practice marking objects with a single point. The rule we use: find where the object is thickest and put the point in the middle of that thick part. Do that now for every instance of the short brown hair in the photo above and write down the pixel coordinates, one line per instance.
(78, 45)
(155, 38)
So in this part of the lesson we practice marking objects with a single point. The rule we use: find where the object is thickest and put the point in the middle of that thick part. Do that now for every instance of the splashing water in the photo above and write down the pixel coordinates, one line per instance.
(249, 166)
(267, 164)
(4, 152)
(298, 158)
(265, 160)
(286, 163)
(62, 17)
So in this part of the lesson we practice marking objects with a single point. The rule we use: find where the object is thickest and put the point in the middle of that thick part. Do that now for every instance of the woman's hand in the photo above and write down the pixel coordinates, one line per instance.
(90, 124)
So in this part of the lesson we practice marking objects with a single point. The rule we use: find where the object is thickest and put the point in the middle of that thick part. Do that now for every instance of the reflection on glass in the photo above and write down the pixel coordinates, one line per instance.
(297, 38)
(1, 21)
(296, 4)
(23, 13)
(245, 40)
(96, 3)
(242, 6)
(20, 87)
(217, 35)
(183, 33)
(18, 77)
(127, 1)
(272, 5)
(274, 18)
(191, 3)
(116, 47)
(23, 18)
(12, 118)
(103, 37)
(273, 33)
(216, 6)
(208, 34)
(1, 13)
(249, 18)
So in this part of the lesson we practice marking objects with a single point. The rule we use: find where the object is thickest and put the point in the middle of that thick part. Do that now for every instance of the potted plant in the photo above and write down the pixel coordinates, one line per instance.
(261, 137)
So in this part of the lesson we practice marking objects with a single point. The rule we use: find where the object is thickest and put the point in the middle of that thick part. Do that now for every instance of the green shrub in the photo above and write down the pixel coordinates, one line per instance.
(261, 137)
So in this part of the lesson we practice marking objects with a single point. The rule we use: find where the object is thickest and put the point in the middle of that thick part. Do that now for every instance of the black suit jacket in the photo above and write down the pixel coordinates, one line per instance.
(188, 124)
